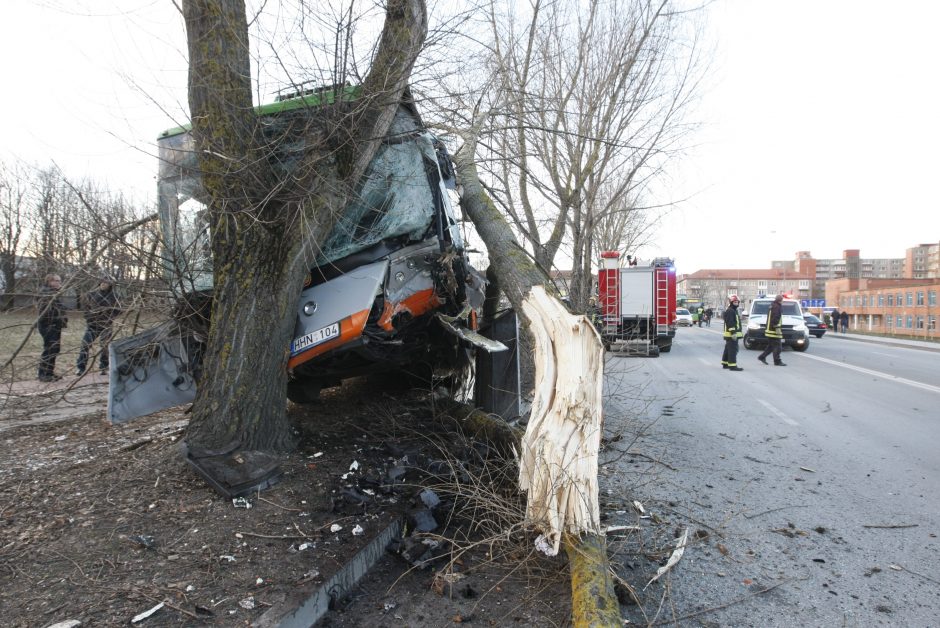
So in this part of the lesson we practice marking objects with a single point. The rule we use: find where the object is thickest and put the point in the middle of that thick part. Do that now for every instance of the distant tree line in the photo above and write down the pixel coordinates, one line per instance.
(81, 230)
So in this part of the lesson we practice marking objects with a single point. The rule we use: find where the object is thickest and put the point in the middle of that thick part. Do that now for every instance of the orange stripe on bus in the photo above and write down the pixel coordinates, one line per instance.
(350, 328)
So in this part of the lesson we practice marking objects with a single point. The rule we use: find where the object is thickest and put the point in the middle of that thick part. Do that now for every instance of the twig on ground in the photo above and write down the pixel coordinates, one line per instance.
(767, 512)
(652, 459)
(268, 501)
(891, 526)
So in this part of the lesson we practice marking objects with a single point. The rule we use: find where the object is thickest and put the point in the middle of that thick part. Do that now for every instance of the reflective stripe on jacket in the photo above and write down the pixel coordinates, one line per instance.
(774, 321)
(732, 323)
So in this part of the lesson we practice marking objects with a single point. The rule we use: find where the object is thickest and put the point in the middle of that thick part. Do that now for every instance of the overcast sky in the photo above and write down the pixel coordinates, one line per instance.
(820, 130)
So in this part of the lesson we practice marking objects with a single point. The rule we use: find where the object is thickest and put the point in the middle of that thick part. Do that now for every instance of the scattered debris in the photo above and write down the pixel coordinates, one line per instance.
(241, 502)
(248, 603)
(892, 527)
(673, 559)
(807, 469)
(143, 540)
(142, 616)
(358, 531)
(639, 507)
(335, 527)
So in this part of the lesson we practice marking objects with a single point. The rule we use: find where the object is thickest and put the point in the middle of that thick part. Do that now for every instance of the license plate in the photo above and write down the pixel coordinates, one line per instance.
(313, 338)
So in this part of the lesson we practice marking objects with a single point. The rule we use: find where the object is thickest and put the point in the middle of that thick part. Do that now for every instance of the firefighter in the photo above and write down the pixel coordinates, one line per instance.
(774, 332)
(729, 359)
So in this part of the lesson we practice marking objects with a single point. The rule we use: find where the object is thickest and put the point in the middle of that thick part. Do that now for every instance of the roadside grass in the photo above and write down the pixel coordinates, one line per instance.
(21, 344)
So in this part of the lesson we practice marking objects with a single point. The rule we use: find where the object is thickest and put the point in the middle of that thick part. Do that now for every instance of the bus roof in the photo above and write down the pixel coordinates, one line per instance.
(311, 98)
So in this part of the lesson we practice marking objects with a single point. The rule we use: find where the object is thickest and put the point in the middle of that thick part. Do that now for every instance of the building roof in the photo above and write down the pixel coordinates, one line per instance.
(728, 274)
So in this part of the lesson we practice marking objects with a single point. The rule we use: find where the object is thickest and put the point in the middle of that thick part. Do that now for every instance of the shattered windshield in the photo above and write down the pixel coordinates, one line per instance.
(397, 203)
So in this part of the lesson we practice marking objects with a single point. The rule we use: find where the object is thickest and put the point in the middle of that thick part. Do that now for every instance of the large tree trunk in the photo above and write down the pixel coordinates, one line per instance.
(260, 258)
(558, 453)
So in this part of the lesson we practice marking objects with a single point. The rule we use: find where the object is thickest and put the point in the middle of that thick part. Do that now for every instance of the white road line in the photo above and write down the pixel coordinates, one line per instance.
(888, 376)
(783, 417)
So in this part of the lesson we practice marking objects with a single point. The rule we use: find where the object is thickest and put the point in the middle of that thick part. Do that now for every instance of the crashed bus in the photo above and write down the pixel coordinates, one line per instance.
(391, 289)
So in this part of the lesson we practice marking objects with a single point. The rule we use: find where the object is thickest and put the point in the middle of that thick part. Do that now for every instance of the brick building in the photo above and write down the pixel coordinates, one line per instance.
(712, 287)
(896, 307)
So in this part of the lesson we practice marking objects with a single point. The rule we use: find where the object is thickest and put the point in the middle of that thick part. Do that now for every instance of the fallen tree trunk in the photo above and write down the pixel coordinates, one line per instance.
(558, 453)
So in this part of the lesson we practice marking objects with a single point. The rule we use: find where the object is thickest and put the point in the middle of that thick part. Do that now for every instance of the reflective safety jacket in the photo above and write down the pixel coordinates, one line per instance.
(732, 323)
(775, 321)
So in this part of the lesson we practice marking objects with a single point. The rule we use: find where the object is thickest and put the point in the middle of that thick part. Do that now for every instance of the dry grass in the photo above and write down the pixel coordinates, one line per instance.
(21, 344)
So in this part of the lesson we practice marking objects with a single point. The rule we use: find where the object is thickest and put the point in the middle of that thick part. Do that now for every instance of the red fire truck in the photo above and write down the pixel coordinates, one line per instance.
(637, 304)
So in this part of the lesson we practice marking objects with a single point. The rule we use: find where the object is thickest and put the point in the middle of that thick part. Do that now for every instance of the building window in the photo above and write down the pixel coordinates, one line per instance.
(920, 298)
(909, 322)
(932, 323)
(900, 322)
(890, 300)
(804, 284)
(920, 322)
(910, 298)
(900, 300)
(932, 297)
(888, 321)
(881, 299)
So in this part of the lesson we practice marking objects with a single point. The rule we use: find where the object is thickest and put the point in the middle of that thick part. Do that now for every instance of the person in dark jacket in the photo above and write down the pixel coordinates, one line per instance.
(834, 320)
(101, 308)
(733, 331)
(844, 321)
(52, 321)
(774, 332)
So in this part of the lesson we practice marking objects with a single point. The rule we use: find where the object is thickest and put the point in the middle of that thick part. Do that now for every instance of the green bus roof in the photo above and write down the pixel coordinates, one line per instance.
(326, 96)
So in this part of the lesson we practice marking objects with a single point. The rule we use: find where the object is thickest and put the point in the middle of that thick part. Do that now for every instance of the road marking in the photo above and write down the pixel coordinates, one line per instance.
(783, 417)
(888, 376)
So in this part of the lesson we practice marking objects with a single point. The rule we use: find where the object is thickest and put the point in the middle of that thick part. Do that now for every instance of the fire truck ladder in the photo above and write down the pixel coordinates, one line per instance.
(612, 304)
(661, 285)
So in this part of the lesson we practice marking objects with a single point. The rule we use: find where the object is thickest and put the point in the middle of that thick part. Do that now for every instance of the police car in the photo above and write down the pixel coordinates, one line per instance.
(795, 331)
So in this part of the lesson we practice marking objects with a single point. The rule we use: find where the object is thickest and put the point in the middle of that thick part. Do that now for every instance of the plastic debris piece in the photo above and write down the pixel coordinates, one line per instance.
(146, 614)
(430, 498)
(259, 581)
(68, 623)
(227, 557)
(358, 531)
(248, 603)
(639, 507)
(673, 559)
(544, 545)
(241, 502)
(144, 540)
(354, 466)
(335, 527)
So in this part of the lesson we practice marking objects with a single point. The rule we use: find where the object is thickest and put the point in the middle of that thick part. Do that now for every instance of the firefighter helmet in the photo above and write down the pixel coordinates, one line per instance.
(733, 298)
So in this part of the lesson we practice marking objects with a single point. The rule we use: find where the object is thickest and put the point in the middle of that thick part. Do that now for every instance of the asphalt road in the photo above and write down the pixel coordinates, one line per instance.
(813, 488)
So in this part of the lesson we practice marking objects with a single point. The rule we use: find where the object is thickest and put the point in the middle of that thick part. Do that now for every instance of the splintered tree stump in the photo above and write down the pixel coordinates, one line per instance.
(558, 457)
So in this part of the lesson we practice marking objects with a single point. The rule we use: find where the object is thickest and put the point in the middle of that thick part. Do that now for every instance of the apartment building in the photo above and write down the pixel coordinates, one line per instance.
(712, 287)
(895, 307)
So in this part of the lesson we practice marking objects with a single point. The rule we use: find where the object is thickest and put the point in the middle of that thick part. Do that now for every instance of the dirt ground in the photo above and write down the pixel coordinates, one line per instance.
(101, 523)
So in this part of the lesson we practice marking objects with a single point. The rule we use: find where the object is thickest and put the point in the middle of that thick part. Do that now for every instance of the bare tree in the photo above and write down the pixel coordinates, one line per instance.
(587, 107)
(13, 210)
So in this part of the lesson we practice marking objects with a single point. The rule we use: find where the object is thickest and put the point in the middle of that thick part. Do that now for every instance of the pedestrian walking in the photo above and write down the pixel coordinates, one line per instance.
(733, 331)
(844, 321)
(708, 317)
(51, 322)
(774, 332)
(834, 320)
(101, 308)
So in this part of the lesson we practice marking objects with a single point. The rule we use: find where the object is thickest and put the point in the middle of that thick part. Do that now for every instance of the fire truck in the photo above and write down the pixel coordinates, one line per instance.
(637, 304)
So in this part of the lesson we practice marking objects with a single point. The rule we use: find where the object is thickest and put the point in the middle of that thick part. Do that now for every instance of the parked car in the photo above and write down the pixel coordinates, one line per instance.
(795, 332)
(815, 326)
(683, 317)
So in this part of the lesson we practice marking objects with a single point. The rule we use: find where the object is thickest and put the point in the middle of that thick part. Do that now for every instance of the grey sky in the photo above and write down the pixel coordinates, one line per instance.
(820, 132)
